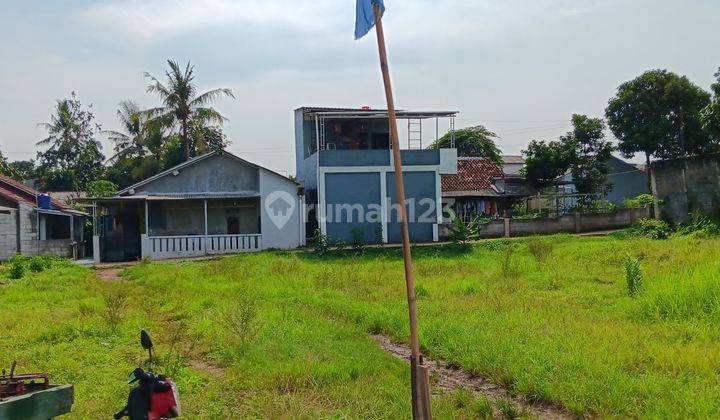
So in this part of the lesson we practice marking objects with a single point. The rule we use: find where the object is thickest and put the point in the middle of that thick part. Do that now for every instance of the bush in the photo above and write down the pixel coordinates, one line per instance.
(320, 242)
(594, 206)
(460, 232)
(358, 239)
(237, 318)
(641, 200)
(699, 225)
(651, 228)
(540, 249)
(633, 276)
(508, 265)
(378, 232)
(40, 263)
(17, 267)
(115, 298)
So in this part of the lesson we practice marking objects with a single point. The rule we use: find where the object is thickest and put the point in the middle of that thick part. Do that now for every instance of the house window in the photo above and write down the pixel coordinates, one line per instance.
(234, 216)
(54, 226)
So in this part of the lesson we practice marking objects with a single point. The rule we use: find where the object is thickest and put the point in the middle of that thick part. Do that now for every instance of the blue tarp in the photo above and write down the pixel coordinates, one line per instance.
(365, 16)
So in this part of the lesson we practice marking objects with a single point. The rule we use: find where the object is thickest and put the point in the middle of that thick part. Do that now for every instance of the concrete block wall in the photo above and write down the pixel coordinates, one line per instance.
(681, 186)
(571, 223)
(29, 245)
(8, 235)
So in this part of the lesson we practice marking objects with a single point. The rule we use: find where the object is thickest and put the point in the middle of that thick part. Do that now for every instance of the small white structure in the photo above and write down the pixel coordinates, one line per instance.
(216, 203)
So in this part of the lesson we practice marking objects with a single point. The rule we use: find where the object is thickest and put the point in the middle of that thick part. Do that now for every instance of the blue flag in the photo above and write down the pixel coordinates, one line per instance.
(365, 17)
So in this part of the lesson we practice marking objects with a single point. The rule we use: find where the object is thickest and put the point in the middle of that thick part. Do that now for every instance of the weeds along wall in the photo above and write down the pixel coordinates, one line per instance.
(578, 222)
(686, 185)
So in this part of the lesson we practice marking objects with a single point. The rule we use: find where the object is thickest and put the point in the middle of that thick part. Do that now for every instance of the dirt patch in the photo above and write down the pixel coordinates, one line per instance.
(203, 366)
(109, 274)
(449, 378)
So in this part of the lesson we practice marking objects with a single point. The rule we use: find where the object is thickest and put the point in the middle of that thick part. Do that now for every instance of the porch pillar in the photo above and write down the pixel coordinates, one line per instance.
(206, 225)
(145, 244)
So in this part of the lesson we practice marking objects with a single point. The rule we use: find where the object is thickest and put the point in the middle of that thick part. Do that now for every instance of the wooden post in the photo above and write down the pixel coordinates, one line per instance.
(419, 392)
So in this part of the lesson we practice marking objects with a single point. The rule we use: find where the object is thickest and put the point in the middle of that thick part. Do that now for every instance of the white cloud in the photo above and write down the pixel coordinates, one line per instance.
(161, 19)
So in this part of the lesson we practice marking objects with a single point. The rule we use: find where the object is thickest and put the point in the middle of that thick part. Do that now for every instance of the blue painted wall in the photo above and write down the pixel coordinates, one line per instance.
(350, 189)
(418, 186)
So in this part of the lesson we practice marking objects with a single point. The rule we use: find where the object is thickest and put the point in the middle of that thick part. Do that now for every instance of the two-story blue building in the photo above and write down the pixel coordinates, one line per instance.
(345, 163)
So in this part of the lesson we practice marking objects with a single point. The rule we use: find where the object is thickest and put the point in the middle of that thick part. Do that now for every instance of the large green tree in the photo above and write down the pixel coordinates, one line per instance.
(710, 115)
(475, 141)
(138, 146)
(658, 114)
(73, 156)
(182, 104)
(590, 168)
(546, 161)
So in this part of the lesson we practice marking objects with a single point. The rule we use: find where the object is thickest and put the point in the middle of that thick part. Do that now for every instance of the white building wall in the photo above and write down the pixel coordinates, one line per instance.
(275, 233)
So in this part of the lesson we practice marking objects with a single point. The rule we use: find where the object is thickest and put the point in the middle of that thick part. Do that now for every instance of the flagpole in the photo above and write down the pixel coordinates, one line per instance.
(420, 388)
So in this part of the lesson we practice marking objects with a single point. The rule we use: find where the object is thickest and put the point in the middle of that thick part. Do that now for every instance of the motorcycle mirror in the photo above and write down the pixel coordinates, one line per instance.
(145, 340)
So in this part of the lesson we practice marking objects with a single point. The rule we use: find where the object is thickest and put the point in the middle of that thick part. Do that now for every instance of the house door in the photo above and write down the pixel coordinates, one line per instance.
(120, 236)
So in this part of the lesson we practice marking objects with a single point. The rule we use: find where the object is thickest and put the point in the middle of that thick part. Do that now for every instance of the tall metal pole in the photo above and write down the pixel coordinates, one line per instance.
(417, 386)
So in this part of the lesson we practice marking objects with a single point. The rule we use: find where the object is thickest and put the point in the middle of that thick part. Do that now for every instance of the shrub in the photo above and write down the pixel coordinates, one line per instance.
(540, 249)
(358, 239)
(40, 263)
(699, 225)
(508, 267)
(17, 267)
(641, 200)
(633, 276)
(238, 319)
(115, 298)
(339, 245)
(320, 242)
(460, 232)
(594, 206)
(378, 232)
(651, 228)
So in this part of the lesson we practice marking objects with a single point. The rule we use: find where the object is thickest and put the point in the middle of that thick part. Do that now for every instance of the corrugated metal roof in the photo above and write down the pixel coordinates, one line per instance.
(372, 113)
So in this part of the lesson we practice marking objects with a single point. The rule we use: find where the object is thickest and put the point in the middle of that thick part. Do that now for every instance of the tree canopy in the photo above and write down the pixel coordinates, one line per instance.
(73, 156)
(184, 108)
(710, 115)
(658, 114)
(546, 161)
(591, 154)
(583, 151)
(475, 141)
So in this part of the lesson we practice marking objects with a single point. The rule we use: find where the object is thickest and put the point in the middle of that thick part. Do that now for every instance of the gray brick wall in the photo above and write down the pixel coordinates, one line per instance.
(29, 245)
(8, 235)
(681, 186)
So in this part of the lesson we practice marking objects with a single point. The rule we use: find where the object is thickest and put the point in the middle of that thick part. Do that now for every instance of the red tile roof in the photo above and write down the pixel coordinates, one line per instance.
(473, 174)
(18, 192)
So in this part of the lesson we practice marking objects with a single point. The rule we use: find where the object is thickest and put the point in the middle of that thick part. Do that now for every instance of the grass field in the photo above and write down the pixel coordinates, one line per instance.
(279, 334)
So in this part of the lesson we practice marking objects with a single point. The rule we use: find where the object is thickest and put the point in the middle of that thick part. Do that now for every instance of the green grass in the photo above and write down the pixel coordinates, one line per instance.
(279, 334)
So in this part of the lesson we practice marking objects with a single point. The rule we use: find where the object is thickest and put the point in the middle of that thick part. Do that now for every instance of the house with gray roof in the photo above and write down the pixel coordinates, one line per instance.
(216, 203)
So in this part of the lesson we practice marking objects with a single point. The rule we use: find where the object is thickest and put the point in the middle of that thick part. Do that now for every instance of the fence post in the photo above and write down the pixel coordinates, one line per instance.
(577, 222)
(506, 224)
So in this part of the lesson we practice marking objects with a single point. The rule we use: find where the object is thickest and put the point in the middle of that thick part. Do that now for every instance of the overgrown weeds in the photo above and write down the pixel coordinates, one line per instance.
(633, 276)
(540, 249)
(115, 297)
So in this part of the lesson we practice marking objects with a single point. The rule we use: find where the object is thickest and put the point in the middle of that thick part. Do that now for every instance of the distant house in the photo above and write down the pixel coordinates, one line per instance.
(627, 181)
(31, 223)
(216, 203)
(483, 186)
(345, 163)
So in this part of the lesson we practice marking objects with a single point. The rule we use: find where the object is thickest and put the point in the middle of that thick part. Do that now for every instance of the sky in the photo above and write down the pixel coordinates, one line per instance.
(519, 67)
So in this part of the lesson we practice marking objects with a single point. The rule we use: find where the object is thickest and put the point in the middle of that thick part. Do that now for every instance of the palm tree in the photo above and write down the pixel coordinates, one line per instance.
(181, 102)
(130, 141)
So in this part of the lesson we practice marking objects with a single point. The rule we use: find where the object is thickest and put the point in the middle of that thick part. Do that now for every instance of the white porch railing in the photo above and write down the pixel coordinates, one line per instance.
(162, 247)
